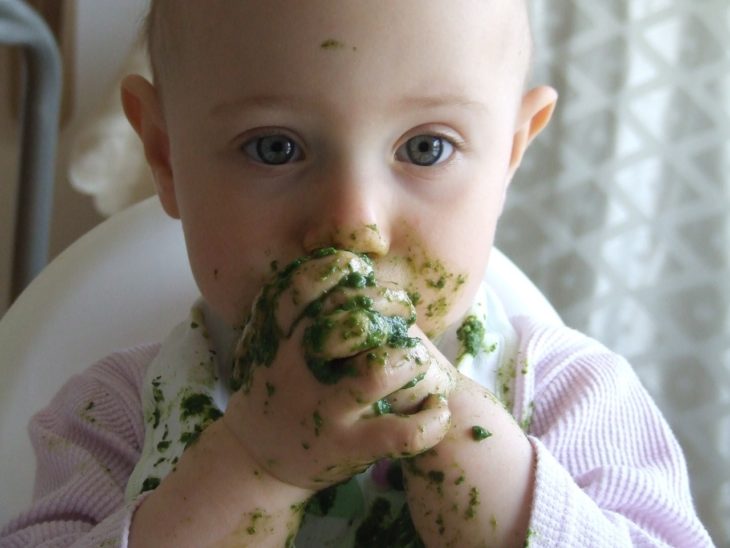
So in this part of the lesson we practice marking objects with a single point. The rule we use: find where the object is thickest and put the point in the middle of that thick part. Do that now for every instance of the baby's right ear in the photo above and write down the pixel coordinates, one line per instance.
(143, 109)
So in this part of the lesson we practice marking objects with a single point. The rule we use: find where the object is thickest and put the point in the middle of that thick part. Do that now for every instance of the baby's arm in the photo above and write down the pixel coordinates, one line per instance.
(218, 495)
(86, 442)
(475, 487)
(607, 469)
(303, 419)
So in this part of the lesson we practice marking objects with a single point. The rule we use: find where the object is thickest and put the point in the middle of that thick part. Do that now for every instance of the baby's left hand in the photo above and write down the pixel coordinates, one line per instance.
(475, 486)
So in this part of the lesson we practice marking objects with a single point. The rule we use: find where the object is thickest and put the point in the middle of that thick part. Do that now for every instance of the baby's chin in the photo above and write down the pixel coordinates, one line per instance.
(435, 327)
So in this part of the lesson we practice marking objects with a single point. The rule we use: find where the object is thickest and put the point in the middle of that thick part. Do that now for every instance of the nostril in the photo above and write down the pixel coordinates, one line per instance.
(368, 239)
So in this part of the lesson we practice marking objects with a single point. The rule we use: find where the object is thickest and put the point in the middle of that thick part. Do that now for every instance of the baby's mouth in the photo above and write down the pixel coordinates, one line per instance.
(345, 309)
(431, 286)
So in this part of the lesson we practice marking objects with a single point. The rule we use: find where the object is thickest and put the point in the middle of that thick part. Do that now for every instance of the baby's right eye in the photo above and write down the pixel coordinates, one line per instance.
(273, 150)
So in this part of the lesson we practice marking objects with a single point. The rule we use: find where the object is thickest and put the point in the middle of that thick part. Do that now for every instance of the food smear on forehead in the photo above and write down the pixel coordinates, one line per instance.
(331, 44)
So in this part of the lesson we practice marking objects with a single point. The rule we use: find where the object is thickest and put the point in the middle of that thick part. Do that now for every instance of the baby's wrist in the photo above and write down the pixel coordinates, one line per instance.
(246, 466)
(219, 494)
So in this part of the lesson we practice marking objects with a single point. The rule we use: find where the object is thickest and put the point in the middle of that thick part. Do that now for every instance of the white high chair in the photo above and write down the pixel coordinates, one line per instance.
(125, 282)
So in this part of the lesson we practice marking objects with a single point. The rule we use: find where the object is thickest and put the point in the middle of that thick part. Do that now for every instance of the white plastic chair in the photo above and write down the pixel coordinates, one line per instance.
(125, 282)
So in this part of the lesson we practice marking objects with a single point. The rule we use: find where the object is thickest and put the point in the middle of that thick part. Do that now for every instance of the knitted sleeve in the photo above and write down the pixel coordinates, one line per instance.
(609, 470)
(86, 442)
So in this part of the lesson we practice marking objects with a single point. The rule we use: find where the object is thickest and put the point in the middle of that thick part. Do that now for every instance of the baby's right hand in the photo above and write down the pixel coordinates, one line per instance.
(314, 364)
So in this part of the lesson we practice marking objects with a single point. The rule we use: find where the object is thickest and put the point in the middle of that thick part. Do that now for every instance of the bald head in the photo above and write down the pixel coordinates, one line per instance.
(157, 33)
(170, 22)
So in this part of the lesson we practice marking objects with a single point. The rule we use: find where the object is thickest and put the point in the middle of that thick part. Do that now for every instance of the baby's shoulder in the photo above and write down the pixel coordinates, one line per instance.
(105, 397)
(114, 381)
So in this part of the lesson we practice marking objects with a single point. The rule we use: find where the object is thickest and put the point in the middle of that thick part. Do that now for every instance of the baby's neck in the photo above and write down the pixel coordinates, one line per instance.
(223, 338)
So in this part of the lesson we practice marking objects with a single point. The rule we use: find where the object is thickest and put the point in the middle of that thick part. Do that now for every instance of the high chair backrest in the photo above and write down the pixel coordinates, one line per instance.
(125, 282)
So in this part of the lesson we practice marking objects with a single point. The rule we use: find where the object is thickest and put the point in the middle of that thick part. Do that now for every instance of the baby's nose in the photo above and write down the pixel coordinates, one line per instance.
(360, 238)
(353, 218)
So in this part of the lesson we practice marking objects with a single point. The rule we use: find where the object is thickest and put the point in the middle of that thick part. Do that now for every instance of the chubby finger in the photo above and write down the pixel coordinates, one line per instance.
(304, 282)
(351, 320)
(378, 373)
(434, 380)
(281, 302)
(386, 299)
(345, 333)
(400, 436)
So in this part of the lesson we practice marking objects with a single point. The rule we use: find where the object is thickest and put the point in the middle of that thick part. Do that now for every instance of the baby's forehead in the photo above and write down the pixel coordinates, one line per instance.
(174, 27)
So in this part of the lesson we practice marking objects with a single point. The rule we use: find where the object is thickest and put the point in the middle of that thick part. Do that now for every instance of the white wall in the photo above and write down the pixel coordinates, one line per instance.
(102, 33)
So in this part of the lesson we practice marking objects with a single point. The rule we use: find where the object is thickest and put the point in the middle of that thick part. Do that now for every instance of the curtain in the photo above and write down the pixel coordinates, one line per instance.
(620, 210)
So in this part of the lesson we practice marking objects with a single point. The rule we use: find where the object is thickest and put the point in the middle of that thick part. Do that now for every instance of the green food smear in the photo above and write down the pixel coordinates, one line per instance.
(470, 335)
(479, 434)
(256, 516)
(331, 44)
(263, 344)
(436, 476)
(199, 405)
(318, 422)
(189, 438)
(367, 327)
(150, 483)
(382, 407)
(381, 529)
(473, 503)
(413, 382)
(371, 328)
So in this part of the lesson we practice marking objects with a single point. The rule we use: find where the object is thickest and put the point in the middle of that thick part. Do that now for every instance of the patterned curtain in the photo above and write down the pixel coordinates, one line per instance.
(620, 212)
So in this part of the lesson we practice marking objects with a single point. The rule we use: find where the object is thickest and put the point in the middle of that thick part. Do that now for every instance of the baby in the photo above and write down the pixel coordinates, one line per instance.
(347, 379)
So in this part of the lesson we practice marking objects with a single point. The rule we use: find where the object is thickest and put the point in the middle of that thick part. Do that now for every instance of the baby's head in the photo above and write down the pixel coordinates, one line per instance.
(390, 128)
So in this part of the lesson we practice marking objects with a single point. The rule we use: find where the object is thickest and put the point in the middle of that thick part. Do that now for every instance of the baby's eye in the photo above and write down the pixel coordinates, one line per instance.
(425, 150)
(273, 150)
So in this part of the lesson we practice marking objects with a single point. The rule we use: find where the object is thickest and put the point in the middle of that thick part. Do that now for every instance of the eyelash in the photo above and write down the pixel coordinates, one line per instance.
(253, 148)
(456, 146)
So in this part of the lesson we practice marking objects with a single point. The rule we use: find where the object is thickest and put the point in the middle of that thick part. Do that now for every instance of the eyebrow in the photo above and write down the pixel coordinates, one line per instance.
(297, 102)
(441, 100)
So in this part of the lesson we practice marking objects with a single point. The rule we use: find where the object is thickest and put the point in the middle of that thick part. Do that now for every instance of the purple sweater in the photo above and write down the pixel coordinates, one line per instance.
(609, 470)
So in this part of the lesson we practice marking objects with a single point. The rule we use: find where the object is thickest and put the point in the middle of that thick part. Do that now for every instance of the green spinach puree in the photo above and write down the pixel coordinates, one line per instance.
(355, 320)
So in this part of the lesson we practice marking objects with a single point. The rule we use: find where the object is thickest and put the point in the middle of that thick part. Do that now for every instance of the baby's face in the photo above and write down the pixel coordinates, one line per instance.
(380, 127)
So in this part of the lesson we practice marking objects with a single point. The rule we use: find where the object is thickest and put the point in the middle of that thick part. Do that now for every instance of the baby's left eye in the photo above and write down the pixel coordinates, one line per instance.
(425, 150)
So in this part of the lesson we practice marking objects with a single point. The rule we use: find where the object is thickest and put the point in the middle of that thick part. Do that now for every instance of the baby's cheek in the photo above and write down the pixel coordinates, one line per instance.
(440, 284)
(230, 295)
(435, 315)
(441, 298)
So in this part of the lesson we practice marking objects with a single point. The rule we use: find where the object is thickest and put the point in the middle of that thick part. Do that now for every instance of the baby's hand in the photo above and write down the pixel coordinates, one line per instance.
(475, 486)
(323, 349)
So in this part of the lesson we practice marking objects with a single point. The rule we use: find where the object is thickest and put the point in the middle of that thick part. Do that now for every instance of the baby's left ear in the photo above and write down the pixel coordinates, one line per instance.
(537, 108)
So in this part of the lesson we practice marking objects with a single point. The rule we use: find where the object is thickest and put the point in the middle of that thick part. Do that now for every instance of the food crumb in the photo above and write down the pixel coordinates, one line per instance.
(479, 433)
(331, 44)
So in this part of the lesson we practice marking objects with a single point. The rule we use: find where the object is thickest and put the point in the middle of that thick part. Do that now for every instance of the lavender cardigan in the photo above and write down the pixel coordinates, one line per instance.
(609, 470)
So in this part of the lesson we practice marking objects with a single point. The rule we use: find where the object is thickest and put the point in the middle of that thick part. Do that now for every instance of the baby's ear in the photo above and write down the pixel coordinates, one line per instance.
(144, 112)
(537, 108)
